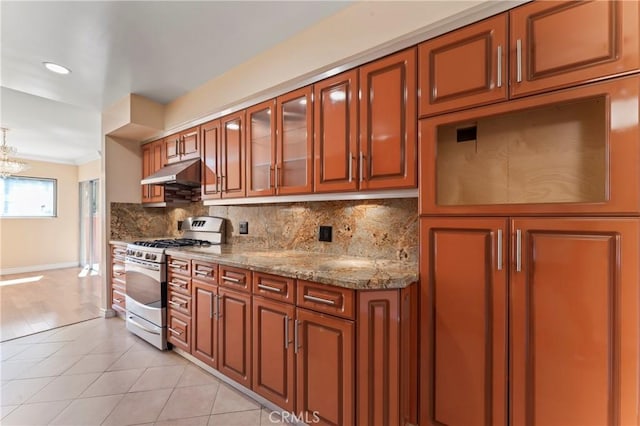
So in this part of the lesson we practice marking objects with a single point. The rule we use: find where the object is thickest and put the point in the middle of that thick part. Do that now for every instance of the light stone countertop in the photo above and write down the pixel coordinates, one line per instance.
(359, 273)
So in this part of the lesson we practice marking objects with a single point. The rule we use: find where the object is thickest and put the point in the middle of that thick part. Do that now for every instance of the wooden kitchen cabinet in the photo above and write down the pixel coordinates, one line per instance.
(183, 146)
(179, 302)
(325, 364)
(466, 67)
(153, 159)
(564, 43)
(336, 133)
(571, 314)
(179, 330)
(273, 351)
(118, 277)
(234, 335)
(205, 330)
(261, 149)
(388, 140)
(571, 151)
(223, 157)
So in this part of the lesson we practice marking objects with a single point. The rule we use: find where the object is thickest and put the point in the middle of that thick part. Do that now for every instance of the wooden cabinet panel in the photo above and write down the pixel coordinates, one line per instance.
(118, 277)
(234, 334)
(336, 133)
(388, 144)
(235, 278)
(153, 159)
(464, 68)
(463, 321)
(172, 148)
(274, 287)
(261, 148)
(190, 144)
(179, 284)
(210, 155)
(325, 368)
(232, 155)
(179, 302)
(179, 265)
(205, 333)
(179, 330)
(206, 272)
(118, 299)
(294, 156)
(325, 298)
(571, 151)
(574, 326)
(548, 53)
(273, 352)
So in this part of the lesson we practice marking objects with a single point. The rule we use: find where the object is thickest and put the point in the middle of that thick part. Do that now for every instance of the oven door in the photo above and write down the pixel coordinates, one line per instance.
(145, 282)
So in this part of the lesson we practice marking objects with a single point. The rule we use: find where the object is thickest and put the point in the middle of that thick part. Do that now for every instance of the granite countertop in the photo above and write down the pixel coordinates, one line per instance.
(345, 271)
(361, 273)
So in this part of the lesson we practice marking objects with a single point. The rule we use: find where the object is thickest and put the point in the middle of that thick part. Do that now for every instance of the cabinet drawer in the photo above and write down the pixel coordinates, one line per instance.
(118, 253)
(179, 330)
(179, 302)
(119, 285)
(324, 298)
(117, 300)
(179, 266)
(179, 284)
(274, 287)
(235, 278)
(204, 271)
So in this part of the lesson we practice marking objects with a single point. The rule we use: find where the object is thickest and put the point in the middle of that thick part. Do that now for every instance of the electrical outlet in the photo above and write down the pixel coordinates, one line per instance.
(325, 233)
(244, 227)
(179, 225)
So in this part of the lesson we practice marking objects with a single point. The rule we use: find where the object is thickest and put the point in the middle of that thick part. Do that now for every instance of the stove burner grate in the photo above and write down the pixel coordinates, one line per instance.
(169, 243)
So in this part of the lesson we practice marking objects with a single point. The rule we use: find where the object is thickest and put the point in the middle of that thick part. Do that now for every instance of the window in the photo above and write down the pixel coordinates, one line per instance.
(27, 197)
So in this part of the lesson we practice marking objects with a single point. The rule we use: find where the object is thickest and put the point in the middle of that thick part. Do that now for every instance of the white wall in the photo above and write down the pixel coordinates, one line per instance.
(44, 243)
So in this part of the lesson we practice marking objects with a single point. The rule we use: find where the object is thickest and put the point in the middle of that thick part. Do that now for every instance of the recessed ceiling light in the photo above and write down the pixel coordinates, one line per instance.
(58, 69)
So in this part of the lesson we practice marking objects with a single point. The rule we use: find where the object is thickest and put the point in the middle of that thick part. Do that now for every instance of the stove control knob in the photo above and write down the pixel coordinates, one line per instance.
(139, 254)
(147, 256)
(154, 257)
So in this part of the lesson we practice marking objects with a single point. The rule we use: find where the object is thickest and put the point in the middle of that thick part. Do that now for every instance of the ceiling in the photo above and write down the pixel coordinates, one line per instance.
(157, 49)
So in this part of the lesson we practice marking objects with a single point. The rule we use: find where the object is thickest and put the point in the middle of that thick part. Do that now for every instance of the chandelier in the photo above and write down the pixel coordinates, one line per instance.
(9, 166)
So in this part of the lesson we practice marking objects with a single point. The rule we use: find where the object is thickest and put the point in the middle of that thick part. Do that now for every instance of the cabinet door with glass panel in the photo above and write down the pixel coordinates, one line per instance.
(261, 148)
(294, 152)
(571, 151)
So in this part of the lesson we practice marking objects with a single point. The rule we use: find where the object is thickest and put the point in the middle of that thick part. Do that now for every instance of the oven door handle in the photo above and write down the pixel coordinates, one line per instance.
(137, 324)
(136, 268)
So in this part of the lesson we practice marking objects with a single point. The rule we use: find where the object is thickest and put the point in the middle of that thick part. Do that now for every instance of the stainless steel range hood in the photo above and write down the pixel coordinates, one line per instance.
(185, 173)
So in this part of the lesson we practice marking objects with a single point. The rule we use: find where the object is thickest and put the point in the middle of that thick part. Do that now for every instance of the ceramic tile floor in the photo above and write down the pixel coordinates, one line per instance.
(97, 373)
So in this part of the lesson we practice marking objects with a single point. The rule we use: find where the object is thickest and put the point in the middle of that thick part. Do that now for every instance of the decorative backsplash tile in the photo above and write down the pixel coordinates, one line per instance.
(130, 221)
(386, 229)
(382, 229)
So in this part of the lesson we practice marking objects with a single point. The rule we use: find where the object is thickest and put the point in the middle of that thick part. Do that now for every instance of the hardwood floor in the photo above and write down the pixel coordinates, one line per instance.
(37, 301)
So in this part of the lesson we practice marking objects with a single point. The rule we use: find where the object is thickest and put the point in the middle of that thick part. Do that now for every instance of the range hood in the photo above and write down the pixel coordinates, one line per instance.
(186, 173)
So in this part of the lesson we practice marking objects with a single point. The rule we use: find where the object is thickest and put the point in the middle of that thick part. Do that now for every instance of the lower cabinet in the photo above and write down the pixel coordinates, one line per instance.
(234, 335)
(179, 330)
(205, 330)
(325, 348)
(550, 303)
(118, 279)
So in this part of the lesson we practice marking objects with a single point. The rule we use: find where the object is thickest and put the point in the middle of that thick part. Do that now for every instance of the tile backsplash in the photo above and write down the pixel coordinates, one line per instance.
(383, 229)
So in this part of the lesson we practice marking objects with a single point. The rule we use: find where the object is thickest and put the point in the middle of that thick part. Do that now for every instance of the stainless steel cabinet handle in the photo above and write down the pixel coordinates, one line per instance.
(202, 273)
(183, 286)
(211, 307)
(269, 288)
(174, 331)
(518, 250)
(218, 306)
(350, 167)
(499, 68)
(296, 323)
(286, 332)
(276, 182)
(319, 300)
(218, 184)
(231, 280)
(117, 300)
(361, 165)
(518, 60)
(499, 250)
(172, 303)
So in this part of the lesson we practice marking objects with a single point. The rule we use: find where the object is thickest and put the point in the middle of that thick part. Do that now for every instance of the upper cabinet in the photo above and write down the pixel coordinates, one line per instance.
(183, 146)
(558, 44)
(468, 67)
(465, 67)
(223, 156)
(153, 159)
(261, 148)
(336, 133)
(294, 165)
(388, 146)
(280, 145)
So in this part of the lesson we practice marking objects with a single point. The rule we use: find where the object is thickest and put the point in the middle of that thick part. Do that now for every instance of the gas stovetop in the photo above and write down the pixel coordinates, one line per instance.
(170, 243)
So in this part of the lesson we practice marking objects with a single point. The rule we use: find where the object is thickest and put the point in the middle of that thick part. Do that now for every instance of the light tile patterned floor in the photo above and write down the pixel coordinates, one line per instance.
(96, 372)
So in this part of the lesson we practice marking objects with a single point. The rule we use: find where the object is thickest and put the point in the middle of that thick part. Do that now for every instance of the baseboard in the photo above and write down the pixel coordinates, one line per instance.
(35, 268)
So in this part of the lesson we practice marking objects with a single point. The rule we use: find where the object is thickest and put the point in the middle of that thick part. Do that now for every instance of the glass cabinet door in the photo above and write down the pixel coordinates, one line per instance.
(261, 132)
(293, 169)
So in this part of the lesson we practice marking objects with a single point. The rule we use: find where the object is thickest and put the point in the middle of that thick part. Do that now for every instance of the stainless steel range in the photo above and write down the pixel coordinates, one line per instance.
(146, 275)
